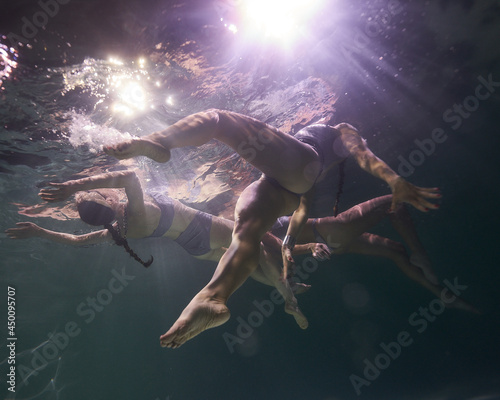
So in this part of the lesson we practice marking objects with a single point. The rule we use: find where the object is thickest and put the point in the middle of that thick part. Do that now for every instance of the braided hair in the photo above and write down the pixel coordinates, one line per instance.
(120, 241)
(97, 212)
(340, 189)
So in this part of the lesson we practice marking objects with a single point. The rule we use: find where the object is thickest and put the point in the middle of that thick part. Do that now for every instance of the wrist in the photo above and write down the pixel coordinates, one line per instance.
(288, 242)
(393, 180)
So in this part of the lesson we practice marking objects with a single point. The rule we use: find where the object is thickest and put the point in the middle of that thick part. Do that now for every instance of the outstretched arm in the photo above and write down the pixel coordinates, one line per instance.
(402, 190)
(26, 230)
(127, 180)
(320, 251)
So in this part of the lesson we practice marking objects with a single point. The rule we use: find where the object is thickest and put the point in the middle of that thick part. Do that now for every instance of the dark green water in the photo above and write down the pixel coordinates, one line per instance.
(78, 338)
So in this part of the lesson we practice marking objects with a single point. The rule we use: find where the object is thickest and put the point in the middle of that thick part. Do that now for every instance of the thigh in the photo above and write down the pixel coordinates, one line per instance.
(258, 207)
(374, 245)
(278, 155)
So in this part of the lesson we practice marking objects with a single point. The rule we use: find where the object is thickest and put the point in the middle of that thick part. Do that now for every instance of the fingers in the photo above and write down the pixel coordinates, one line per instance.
(324, 251)
(321, 252)
(429, 190)
(423, 205)
(422, 195)
(51, 195)
(416, 196)
(428, 205)
(431, 193)
(321, 256)
(287, 254)
(58, 192)
(19, 232)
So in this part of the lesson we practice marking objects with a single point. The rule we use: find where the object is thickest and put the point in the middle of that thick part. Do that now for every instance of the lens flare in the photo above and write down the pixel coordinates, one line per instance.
(273, 19)
(8, 63)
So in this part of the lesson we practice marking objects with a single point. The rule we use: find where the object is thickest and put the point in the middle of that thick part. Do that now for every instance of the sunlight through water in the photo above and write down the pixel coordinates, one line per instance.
(273, 19)
(8, 63)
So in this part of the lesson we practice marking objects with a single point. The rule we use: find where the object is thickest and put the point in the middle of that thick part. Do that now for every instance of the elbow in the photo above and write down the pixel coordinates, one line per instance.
(129, 174)
(129, 177)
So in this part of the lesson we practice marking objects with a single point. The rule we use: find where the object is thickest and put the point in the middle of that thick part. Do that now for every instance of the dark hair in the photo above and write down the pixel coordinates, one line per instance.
(96, 214)
(120, 241)
(340, 189)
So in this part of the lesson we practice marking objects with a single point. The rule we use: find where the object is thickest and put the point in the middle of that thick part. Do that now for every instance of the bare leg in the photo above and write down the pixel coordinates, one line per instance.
(270, 265)
(374, 245)
(268, 272)
(350, 224)
(208, 308)
(261, 277)
(292, 163)
(358, 219)
(403, 224)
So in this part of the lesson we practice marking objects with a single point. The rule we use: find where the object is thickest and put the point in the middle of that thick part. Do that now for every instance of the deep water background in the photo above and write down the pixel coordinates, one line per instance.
(395, 83)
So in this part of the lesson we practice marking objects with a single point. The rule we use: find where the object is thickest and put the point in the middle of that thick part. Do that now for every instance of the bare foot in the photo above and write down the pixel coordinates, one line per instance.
(422, 261)
(201, 313)
(299, 288)
(292, 308)
(139, 147)
(460, 304)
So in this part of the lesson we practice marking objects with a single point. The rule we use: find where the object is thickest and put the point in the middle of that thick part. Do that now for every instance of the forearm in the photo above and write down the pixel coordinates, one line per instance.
(70, 239)
(297, 221)
(377, 167)
(301, 249)
(365, 157)
(299, 217)
(111, 180)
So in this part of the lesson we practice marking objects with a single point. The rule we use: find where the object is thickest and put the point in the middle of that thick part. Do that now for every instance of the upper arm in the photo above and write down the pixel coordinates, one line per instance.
(133, 190)
(356, 145)
(351, 139)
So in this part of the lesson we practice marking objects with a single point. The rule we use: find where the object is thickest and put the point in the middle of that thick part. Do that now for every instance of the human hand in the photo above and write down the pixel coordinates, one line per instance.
(59, 192)
(320, 251)
(288, 262)
(23, 230)
(403, 191)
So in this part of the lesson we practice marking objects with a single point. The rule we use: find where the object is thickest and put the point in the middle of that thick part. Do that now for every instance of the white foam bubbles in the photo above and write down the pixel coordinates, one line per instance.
(84, 132)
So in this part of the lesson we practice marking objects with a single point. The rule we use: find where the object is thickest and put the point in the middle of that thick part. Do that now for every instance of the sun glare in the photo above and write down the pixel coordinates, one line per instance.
(7, 62)
(274, 19)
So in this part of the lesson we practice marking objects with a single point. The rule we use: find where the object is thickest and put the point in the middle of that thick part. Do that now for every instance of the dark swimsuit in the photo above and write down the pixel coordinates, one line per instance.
(325, 140)
(196, 237)
(167, 213)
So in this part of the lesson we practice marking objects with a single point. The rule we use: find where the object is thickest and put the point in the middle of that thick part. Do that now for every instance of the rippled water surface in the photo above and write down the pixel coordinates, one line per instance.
(87, 320)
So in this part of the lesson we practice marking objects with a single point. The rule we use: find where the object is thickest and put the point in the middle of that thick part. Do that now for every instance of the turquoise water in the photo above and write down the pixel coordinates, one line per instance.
(87, 320)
